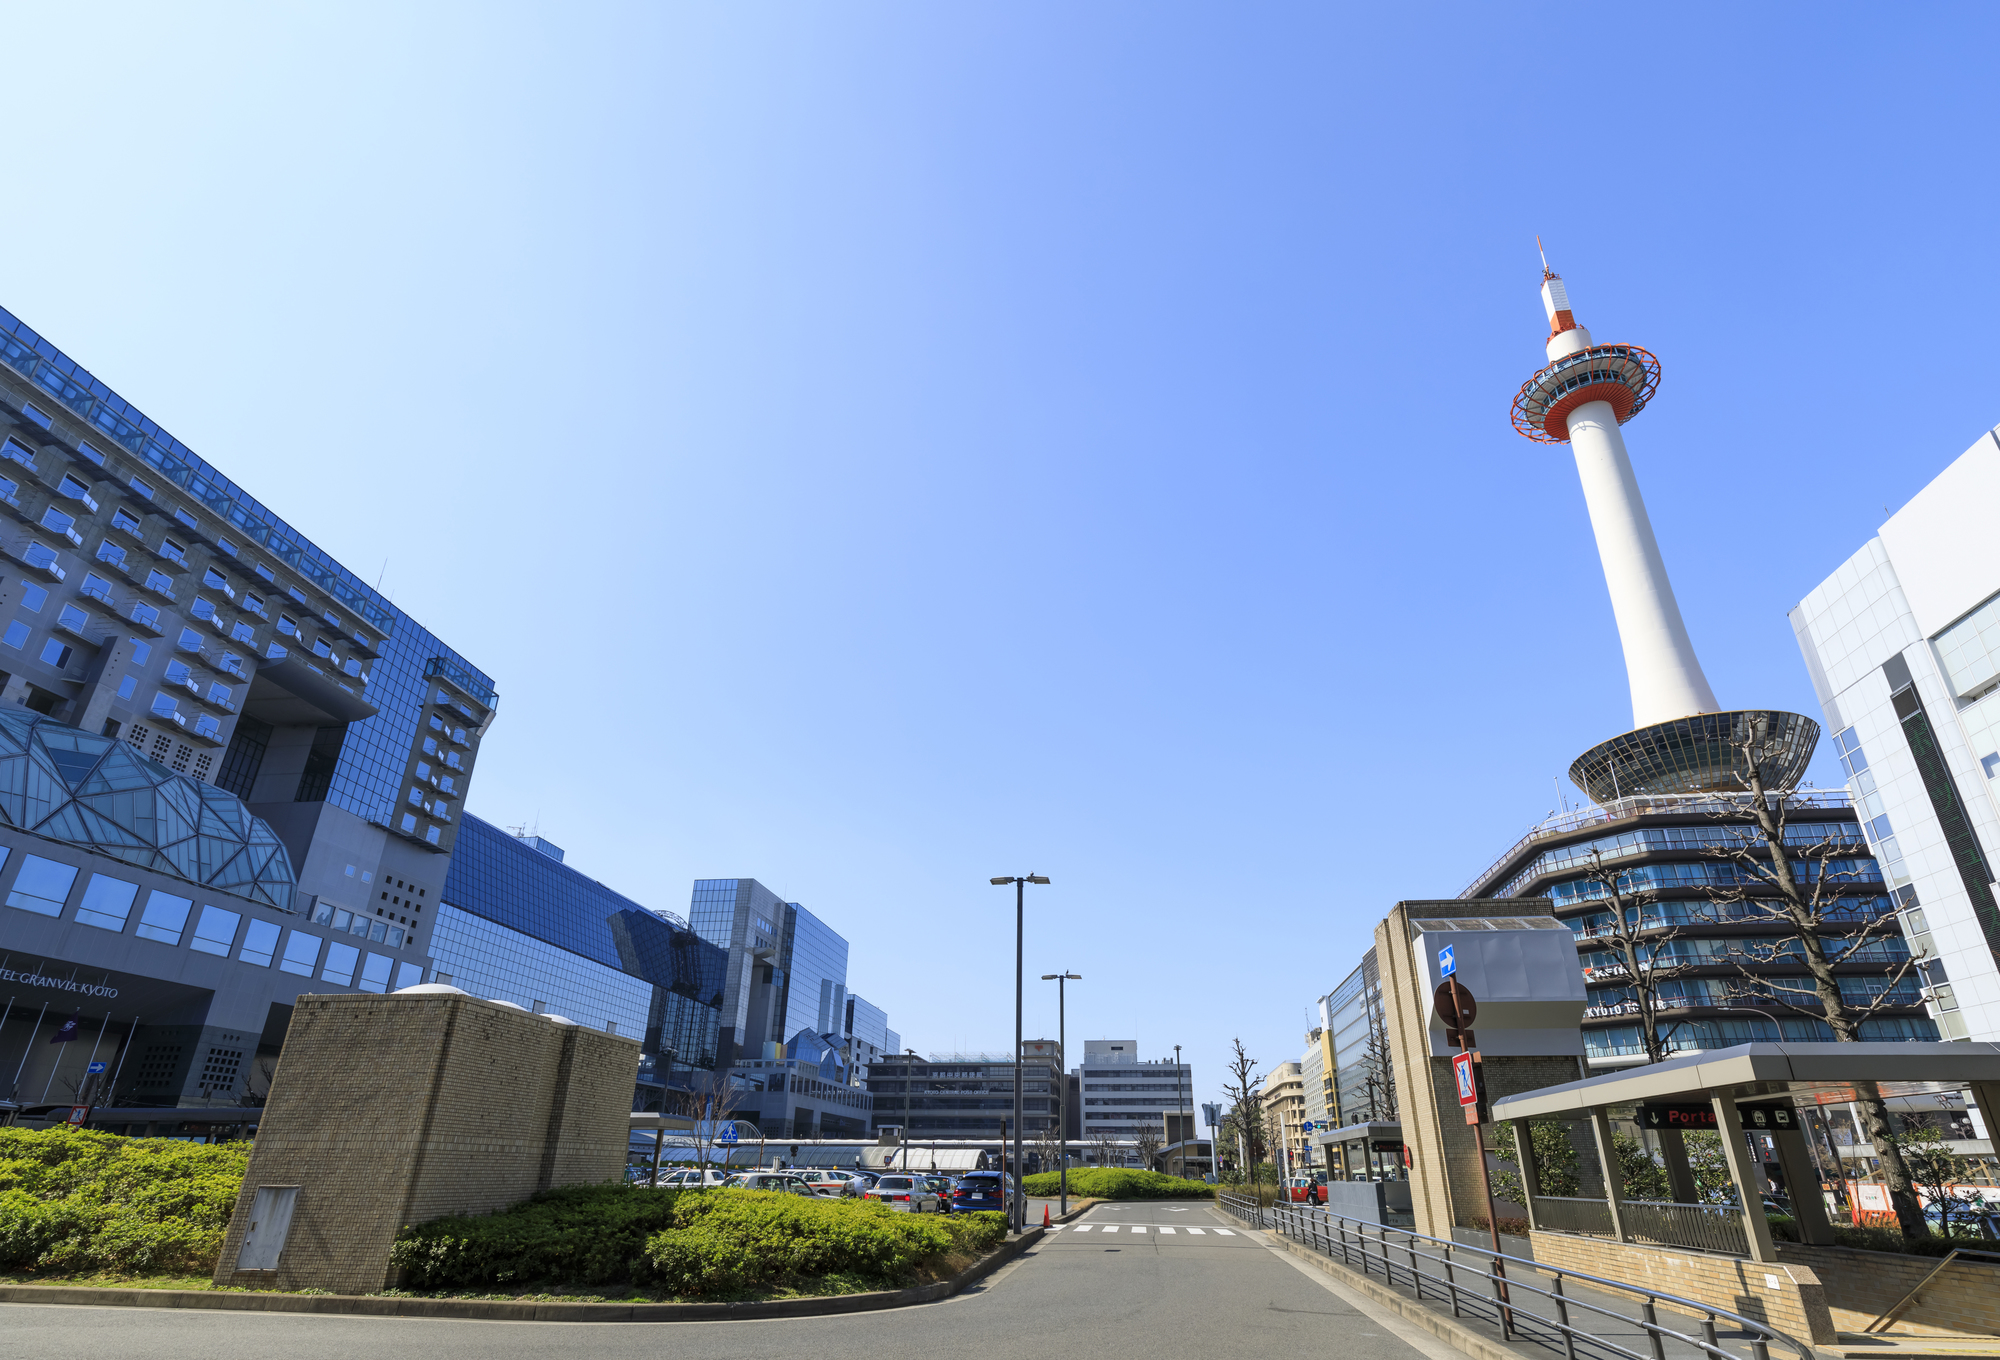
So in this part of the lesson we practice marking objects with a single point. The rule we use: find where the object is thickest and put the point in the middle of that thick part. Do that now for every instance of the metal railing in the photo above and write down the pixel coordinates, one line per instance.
(1563, 1213)
(1704, 1227)
(1511, 1292)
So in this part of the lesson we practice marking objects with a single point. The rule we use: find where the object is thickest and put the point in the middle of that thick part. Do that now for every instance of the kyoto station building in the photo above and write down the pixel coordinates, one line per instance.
(231, 773)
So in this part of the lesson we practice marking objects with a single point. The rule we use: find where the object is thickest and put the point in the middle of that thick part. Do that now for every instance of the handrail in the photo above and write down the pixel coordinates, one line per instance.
(1349, 1236)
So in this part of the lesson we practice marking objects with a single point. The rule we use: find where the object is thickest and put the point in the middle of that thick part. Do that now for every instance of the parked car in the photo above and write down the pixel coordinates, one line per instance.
(941, 1184)
(906, 1193)
(977, 1190)
(832, 1184)
(789, 1182)
(688, 1177)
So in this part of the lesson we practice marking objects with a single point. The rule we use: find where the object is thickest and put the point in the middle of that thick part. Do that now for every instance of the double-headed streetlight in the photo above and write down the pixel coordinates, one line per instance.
(1017, 1211)
(1062, 980)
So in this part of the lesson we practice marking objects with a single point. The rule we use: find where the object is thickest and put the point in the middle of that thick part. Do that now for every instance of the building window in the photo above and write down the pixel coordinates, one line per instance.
(287, 625)
(38, 415)
(301, 953)
(189, 640)
(56, 653)
(124, 520)
(409, 824)
(265, 572)
(375, 973)
(243, 632)
(215, 580)
(142, 486)
(72, 618)
(83, 447)
(33, 597)
(216, 931)
(97, 588)
(260, 942)
(173, 551)
(107, 903)
(16, 635)
(142, 651)
(164, 918)
(127, 686)
(160, 583)
(340, 961)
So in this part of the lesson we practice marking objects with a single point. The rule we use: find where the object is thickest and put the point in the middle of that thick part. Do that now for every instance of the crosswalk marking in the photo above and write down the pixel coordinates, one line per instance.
(1197, 1231)
(1166, 1230)
(1085, 1227)
(1226, 1232)
(1136, 1227)
(1110, 1227)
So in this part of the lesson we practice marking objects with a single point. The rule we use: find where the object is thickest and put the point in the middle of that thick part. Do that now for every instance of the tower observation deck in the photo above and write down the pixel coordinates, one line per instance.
(1682, 740)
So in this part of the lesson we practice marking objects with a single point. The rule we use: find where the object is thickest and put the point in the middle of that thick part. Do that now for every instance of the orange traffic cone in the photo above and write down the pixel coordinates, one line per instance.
(1045, 1215)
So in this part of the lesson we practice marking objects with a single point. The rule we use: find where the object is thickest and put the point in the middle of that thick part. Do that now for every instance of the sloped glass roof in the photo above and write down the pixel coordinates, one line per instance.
(61, 782)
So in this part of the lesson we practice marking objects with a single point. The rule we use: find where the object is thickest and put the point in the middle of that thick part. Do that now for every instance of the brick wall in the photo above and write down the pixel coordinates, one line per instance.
(1786, 1295)
(1863, 1285)
(391, 1110)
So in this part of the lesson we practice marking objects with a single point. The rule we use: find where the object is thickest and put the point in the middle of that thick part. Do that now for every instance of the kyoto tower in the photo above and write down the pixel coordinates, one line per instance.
(1682, 741)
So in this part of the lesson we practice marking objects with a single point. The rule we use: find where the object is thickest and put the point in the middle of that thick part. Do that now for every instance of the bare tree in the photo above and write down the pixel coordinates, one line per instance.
(714, 1107)
(1242, 1088)
(1799, 891)
(1104, 1149)
(1049, 1146)
(1638, 933)
(1149, 1143)
(1378, 1064)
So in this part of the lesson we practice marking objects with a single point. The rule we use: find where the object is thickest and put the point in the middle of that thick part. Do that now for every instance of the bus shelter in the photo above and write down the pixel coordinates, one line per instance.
(1754, 1087)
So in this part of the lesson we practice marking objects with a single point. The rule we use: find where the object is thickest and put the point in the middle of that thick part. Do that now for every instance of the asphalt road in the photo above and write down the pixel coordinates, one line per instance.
(1139, 1290)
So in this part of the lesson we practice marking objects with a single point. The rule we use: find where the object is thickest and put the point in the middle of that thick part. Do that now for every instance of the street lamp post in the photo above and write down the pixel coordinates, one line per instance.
(909, 1080)
(1178, 1108)
(1017, 1212)
(1061, 980)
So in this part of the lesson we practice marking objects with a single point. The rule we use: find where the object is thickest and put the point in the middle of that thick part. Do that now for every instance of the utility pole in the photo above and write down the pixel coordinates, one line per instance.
(1018, 1208)
(1062, 1079)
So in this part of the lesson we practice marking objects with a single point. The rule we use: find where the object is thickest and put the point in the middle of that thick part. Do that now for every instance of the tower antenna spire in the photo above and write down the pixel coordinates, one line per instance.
(1545, 256)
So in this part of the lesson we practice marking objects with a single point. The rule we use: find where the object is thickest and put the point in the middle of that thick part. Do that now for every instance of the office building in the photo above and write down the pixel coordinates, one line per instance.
(807, 1093)
(1903, 644)
(242, 769)
(1284, 1102)
(1316, 1086)
(1123, 1096)
(966, 1095)
(865, 1036)
(787, 969)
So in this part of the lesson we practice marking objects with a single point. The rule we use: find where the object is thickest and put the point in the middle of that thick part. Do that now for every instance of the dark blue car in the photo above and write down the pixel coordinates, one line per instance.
(977, 1190)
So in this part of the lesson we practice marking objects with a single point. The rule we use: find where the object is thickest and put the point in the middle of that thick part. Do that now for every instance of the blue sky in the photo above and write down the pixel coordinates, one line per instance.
(878, 447)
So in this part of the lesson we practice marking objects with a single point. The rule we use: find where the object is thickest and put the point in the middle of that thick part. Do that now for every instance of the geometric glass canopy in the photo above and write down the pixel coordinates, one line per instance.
(69, 785)
(1702, 753)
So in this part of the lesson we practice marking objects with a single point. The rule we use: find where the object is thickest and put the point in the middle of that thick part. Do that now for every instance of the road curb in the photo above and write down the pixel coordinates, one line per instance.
(1446, 1329)
(507, 1310)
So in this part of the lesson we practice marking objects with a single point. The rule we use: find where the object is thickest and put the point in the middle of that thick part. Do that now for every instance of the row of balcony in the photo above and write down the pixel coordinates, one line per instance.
(155, 524)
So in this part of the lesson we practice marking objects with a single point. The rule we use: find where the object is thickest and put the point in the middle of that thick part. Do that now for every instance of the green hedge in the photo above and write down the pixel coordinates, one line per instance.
(1109, 1182)
(691, 1244)
(74, 1202)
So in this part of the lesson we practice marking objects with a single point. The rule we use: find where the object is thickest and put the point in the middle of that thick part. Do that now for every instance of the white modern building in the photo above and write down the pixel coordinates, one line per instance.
(1903, 643)
(1121, 1095)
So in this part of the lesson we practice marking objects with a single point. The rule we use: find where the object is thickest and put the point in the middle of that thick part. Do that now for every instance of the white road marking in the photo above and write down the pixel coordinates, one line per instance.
(1226, 1232)
(1085, 1227)
(1197, 1231)
(1137, 1227)
(1166, 1230)
(1111, 1227)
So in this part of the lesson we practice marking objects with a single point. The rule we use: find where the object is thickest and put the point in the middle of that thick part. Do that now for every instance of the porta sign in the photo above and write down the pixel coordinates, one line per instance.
(1468, 1080)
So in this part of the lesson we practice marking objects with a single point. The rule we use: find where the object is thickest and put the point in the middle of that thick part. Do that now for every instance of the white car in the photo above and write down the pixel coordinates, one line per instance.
(832, 1184)
(687, 1179)
(906, 1194)
(787, 1182)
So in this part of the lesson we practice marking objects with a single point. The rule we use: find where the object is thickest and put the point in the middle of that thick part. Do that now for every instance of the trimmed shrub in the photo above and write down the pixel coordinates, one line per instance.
(731, 1242)
(1110, 1182)
(692, 1244)
(73, 1202)
(576, 1235)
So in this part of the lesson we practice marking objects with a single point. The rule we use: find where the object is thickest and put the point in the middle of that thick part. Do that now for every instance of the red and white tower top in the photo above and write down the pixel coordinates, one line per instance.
(1682, 741)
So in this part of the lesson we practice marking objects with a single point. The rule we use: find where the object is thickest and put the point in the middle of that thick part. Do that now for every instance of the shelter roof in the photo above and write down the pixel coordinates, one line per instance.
(1810, 1073)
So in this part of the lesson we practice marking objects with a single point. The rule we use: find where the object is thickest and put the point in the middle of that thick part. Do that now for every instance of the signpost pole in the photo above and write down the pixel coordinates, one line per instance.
(1448, 964)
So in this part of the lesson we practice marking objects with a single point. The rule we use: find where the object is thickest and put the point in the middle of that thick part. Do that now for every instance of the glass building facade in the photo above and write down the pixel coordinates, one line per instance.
(815, 967)
(520, 925)
(1664, 856)
(367, 759)
(489, 960)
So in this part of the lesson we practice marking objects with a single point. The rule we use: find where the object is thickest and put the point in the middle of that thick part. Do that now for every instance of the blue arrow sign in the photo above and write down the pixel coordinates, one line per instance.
(98, 1066)
(1447, 965)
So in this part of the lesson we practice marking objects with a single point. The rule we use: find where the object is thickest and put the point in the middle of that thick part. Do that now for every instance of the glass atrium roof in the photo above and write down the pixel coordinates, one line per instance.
(66, 784)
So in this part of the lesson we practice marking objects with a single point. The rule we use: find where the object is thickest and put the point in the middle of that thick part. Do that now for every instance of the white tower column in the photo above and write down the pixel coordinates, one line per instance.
(1667, 681)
